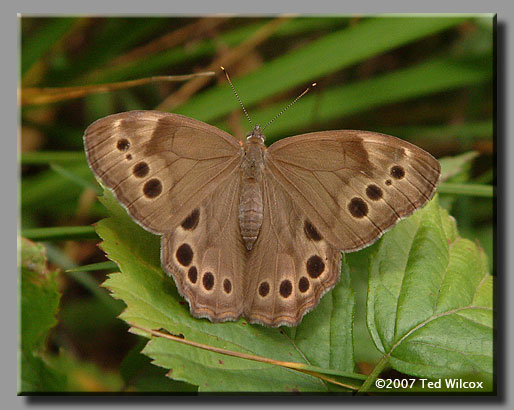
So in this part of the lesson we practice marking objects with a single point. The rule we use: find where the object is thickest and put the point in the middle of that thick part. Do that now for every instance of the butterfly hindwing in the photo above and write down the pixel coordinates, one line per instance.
(291, 267)
(206, 257)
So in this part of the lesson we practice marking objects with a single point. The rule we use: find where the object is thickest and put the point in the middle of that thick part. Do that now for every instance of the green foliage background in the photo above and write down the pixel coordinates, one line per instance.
(425, 79)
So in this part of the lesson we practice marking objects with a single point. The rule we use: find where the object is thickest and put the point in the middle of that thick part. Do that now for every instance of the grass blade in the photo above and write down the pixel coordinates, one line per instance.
(467, 189)
(60, 233)
(47, 157)
(94, 267)
(47, 36)
(317, 59)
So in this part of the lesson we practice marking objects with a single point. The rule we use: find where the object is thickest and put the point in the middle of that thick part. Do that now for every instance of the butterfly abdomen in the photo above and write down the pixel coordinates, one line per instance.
(250, 212)
(250, 201)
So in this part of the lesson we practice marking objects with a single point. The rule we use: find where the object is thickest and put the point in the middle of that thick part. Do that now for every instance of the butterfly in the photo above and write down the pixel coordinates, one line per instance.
(250, 231)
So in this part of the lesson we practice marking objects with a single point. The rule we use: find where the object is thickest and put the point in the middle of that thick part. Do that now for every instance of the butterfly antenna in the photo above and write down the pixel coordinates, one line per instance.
(289, 105)
(237, 96)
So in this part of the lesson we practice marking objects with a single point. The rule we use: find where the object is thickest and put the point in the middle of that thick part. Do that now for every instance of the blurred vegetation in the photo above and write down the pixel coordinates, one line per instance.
(427, 80)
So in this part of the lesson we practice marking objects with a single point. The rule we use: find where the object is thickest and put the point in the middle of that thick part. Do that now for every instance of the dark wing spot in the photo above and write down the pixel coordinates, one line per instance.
(285, 288)
(315, 266)
(208, 280)
(152, 188)
(191, 221)
(123, 144)
(184, 254)
(128, 156)
(397, 172)
(192, 274)
(388, 182)
(141, 169)
(311, 232)
(374, 192)
(227, 286)
(304, 284)
(358, 207)
(264, 289)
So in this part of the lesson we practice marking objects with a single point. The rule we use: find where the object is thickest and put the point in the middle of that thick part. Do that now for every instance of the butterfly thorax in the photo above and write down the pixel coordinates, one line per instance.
(250, 200)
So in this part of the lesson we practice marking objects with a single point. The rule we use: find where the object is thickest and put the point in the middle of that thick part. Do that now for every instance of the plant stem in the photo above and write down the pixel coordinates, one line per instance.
(311, 370)
(370, 380)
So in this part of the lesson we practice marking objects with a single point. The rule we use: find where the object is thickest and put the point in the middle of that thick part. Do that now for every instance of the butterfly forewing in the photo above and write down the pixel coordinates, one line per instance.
(159, 165)
(354, 185)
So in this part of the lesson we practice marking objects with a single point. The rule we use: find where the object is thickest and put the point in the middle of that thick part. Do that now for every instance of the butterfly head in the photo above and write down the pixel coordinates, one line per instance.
(256, 135)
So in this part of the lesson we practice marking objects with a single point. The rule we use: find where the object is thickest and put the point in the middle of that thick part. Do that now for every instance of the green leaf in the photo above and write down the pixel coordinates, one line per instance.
(365, 352)
(39, 303)
(324, 338)
(140, 375)
(456, 170)
(39, 296)
(452, 166)
(335, 315)
(429, 306)
(37, 377)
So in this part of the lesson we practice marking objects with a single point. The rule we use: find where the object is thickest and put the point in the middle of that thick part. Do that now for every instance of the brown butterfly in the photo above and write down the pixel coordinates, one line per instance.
(254, 231)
